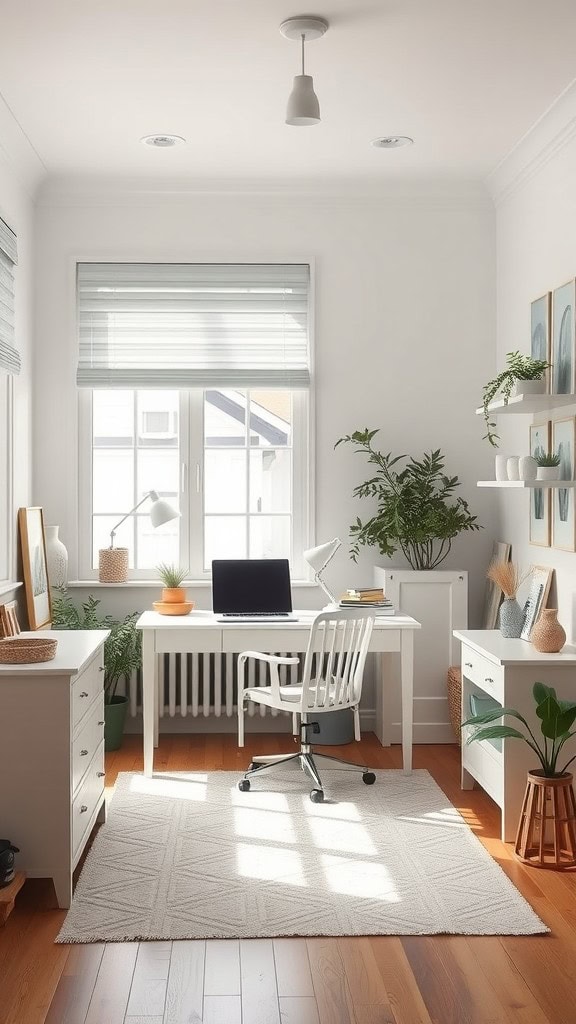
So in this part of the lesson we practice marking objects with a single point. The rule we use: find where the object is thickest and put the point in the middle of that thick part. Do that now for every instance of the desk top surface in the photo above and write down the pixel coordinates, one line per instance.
(200, 619)
(503, 650)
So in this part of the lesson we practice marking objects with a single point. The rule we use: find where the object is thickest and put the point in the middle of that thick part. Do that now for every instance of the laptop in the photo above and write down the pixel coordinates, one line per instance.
(251, 590)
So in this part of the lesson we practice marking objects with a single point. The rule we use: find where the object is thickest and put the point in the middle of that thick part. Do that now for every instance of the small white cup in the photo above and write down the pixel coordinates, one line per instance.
(500, 465)
(512, 467)
(527, 467)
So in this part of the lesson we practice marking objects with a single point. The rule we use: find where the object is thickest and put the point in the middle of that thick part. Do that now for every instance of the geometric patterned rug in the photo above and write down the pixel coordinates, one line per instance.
(187, 855)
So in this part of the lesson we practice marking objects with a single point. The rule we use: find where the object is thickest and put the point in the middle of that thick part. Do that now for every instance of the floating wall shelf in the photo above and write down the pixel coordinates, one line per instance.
(525, 484)
(528, 404)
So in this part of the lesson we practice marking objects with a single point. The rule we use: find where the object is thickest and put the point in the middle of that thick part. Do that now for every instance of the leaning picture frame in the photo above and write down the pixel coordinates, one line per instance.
(34, 568)
(492, 594)
(540, 334)
(540, 583)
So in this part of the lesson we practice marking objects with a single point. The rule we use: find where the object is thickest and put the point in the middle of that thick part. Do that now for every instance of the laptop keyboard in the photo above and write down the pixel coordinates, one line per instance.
(255, 615)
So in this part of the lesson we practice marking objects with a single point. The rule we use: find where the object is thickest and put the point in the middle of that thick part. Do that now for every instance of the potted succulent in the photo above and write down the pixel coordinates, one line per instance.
(172, 576)
(548, 465)
(549, 789)
(122, 655)
(522, 374)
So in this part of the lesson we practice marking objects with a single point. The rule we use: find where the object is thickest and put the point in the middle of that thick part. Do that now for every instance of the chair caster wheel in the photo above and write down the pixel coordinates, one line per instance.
(317, 796)
(368, 778)
(251, 766)
(244, 785)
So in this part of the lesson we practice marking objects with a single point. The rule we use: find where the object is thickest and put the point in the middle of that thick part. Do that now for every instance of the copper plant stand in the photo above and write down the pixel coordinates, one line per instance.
(546, 835)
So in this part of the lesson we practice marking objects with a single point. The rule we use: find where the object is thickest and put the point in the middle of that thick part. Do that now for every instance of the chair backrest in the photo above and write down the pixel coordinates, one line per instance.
(9, 625)
(335, 658)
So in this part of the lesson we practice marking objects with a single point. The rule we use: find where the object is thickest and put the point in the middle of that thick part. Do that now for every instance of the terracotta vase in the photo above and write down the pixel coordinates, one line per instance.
(548, 636)
(174, 595)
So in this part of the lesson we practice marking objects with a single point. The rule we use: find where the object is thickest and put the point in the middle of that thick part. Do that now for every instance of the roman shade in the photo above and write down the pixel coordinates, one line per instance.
(167, 325)
(9, 357)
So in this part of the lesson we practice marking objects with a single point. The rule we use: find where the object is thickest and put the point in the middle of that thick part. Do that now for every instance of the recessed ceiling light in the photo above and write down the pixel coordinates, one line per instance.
(392, 141)
(162, 141)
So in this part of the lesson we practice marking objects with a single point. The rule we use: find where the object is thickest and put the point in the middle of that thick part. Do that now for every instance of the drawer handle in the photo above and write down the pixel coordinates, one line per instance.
(101, 668)
(101, 723)
(83, 753)
(488, 680)
(468, 664)
(100, 775)
(83, 809)
(84, 693)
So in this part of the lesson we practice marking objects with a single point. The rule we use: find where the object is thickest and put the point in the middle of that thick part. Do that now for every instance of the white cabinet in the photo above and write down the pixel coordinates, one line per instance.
(438, 599)
(52, 756)
(506, 670)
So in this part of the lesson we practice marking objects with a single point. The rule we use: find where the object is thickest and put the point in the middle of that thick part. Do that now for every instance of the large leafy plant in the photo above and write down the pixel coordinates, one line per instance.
(417, 511)
(519, 367)
(556, 720)
(122, 649)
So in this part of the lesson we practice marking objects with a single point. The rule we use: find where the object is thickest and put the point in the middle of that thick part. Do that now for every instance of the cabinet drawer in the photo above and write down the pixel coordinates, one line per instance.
(485, 674)
(86, 686)
(486, 765)
(86, 801)
(87, 741)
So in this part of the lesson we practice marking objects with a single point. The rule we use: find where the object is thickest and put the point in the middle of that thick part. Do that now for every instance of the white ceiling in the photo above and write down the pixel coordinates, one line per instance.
(85, 80)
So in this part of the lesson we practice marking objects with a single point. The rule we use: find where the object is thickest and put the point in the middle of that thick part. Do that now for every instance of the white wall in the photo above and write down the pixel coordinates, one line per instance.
(536, 252)
(404, 333)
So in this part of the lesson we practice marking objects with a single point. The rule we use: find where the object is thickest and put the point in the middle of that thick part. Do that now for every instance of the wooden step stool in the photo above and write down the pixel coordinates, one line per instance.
(8, 894)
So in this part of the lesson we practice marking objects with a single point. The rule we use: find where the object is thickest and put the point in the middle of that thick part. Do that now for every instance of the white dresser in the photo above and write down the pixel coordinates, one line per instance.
(52, 756)
(506, 670)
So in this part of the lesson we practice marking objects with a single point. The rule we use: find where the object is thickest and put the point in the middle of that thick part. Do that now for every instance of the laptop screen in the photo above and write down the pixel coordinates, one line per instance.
(251, 585)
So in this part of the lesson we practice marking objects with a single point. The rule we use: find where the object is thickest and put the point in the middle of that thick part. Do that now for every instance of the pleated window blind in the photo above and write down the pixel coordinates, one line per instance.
(9, 357)
(158, 325)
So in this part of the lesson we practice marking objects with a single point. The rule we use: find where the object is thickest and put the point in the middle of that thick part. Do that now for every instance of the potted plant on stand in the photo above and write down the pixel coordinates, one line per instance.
(546, 834)
(173, 593)
(523, 374)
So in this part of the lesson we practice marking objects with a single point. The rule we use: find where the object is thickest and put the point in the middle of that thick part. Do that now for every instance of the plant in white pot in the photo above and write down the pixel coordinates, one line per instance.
(548, 465)
(522, 374)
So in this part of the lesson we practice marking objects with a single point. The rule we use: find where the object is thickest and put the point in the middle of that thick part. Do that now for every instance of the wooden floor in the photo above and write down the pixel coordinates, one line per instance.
(384, 980)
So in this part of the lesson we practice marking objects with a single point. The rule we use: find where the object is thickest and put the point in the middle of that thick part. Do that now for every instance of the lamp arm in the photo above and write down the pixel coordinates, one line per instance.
(321, 583)
(124, 518)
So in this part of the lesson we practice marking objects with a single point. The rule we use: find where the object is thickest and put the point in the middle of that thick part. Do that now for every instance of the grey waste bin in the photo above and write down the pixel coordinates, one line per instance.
(335, 727)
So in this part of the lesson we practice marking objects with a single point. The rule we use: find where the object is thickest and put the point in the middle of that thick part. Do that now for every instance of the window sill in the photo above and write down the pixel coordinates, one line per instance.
(156, 584)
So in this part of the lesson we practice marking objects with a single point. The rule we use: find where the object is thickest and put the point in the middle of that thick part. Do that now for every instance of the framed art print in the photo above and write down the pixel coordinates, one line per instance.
(540, 496)
(540, 582)
(563, 531)
(31, 527)
(540, 331)
(563, 356)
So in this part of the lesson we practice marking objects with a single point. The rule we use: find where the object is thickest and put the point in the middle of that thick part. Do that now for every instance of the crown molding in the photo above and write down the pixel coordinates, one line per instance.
(18, 152)
(554, 130)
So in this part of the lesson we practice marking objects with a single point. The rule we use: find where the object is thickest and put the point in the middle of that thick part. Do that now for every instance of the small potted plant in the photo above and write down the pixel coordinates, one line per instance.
(172, 576)
(549, 797)
(524, 375)
(548, 465)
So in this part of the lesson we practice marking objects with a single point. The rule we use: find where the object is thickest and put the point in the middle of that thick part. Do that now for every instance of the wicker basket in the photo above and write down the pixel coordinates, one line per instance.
(454, 685)
(26, 649)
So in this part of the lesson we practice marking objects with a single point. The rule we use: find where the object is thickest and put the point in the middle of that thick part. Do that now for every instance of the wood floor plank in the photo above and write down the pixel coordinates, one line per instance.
(223, 1010)
(439, 989)
(185, 992)
(546, 964)
(404, 996)
(482, 1004)
(330, 983)
(75, 988)
(293, 975)
(367, 987)
(150, 980)
(222, 970)
(113, 983)
(141, 1020)
(502, 976)
(258, 982)
(298, 1010)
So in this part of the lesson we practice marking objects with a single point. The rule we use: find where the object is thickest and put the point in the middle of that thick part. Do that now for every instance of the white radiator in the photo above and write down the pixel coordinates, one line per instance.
(203, 684)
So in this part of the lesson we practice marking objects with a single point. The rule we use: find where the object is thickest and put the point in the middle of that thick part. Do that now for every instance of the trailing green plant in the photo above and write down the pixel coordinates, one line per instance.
(556, 720)
(171, 575)
(122, 649)
(546, 458)
(416, 508)
(519, 367)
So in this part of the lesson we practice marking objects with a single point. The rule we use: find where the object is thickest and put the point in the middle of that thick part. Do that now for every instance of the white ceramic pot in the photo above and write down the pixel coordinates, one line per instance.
(548, 473)
(529, 387)
(56, 558)
(500, 467)
(527, 468)
(512, 467)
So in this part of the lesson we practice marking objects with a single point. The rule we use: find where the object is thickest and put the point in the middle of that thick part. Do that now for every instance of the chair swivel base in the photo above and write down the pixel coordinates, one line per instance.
(307, 762)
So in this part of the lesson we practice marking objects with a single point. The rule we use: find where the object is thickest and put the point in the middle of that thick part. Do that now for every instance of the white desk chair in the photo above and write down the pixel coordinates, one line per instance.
(331, 681)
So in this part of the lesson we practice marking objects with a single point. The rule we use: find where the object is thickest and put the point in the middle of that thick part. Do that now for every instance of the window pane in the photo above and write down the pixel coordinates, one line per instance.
(224, 537)
(101, 536)
(156, 545)
(270, 418)
(270, 483)
(269, 537)
(113, 480)
(225, 480)
(224, 418)
(159, 470)
(158, 419)
(113, 418)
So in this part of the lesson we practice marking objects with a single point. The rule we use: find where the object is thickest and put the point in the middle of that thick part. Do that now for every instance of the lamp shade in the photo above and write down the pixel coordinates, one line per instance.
(303, 106)
(161, 511)
(319, 556)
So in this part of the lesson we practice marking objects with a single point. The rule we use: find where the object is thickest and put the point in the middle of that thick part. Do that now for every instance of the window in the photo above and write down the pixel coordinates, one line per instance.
(5, 478)
(195, 381)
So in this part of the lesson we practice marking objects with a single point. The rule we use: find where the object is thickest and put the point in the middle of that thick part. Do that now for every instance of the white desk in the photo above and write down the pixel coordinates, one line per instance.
(199, 632)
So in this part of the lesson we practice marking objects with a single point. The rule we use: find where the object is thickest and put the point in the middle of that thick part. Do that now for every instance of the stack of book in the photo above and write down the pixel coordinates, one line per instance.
(368, 597)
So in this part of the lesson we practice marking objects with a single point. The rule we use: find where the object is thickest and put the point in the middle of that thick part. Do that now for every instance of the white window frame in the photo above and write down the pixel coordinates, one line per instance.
(6, 479)
(191, 486)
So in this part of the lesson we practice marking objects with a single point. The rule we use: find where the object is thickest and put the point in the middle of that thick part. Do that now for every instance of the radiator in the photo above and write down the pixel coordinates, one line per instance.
(204, 684)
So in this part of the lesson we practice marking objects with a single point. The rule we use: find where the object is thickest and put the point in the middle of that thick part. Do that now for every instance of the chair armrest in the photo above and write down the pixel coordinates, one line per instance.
(271, 659)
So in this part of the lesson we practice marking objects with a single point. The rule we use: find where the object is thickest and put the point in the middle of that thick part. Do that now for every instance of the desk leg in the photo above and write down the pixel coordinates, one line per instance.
(382, 729)
(407, 680)
(149, 668)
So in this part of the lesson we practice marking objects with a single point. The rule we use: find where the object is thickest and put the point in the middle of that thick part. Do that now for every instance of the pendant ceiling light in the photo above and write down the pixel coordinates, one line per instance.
(303, 107)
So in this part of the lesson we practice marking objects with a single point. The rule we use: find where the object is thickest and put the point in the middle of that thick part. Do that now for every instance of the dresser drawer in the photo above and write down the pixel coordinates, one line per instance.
(87, 740)
(486, 764)
(86, 686)
(484, 673)
(86, 800)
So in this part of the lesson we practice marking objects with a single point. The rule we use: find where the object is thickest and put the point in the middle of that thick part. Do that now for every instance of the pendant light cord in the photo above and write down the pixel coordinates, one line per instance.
(302, 38)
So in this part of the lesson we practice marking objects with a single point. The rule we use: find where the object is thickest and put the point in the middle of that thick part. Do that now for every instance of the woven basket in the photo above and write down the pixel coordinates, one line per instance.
(26, 650)
(454, 685)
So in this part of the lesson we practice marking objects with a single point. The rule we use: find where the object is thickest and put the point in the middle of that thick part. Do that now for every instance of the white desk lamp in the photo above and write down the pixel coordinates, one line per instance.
(318, 558)
(113, 562)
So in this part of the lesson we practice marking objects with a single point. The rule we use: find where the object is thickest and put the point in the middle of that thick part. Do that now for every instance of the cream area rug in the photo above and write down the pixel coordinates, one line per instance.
(186, 856)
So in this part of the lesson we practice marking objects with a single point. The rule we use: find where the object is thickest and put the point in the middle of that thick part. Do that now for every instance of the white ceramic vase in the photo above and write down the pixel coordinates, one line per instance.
(527, 468)
(500, 467)
(56, 558)
(512, 467)
(548, 473)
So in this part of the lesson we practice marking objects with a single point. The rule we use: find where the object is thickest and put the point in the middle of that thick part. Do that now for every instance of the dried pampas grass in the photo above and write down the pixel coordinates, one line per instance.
(507, 576)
